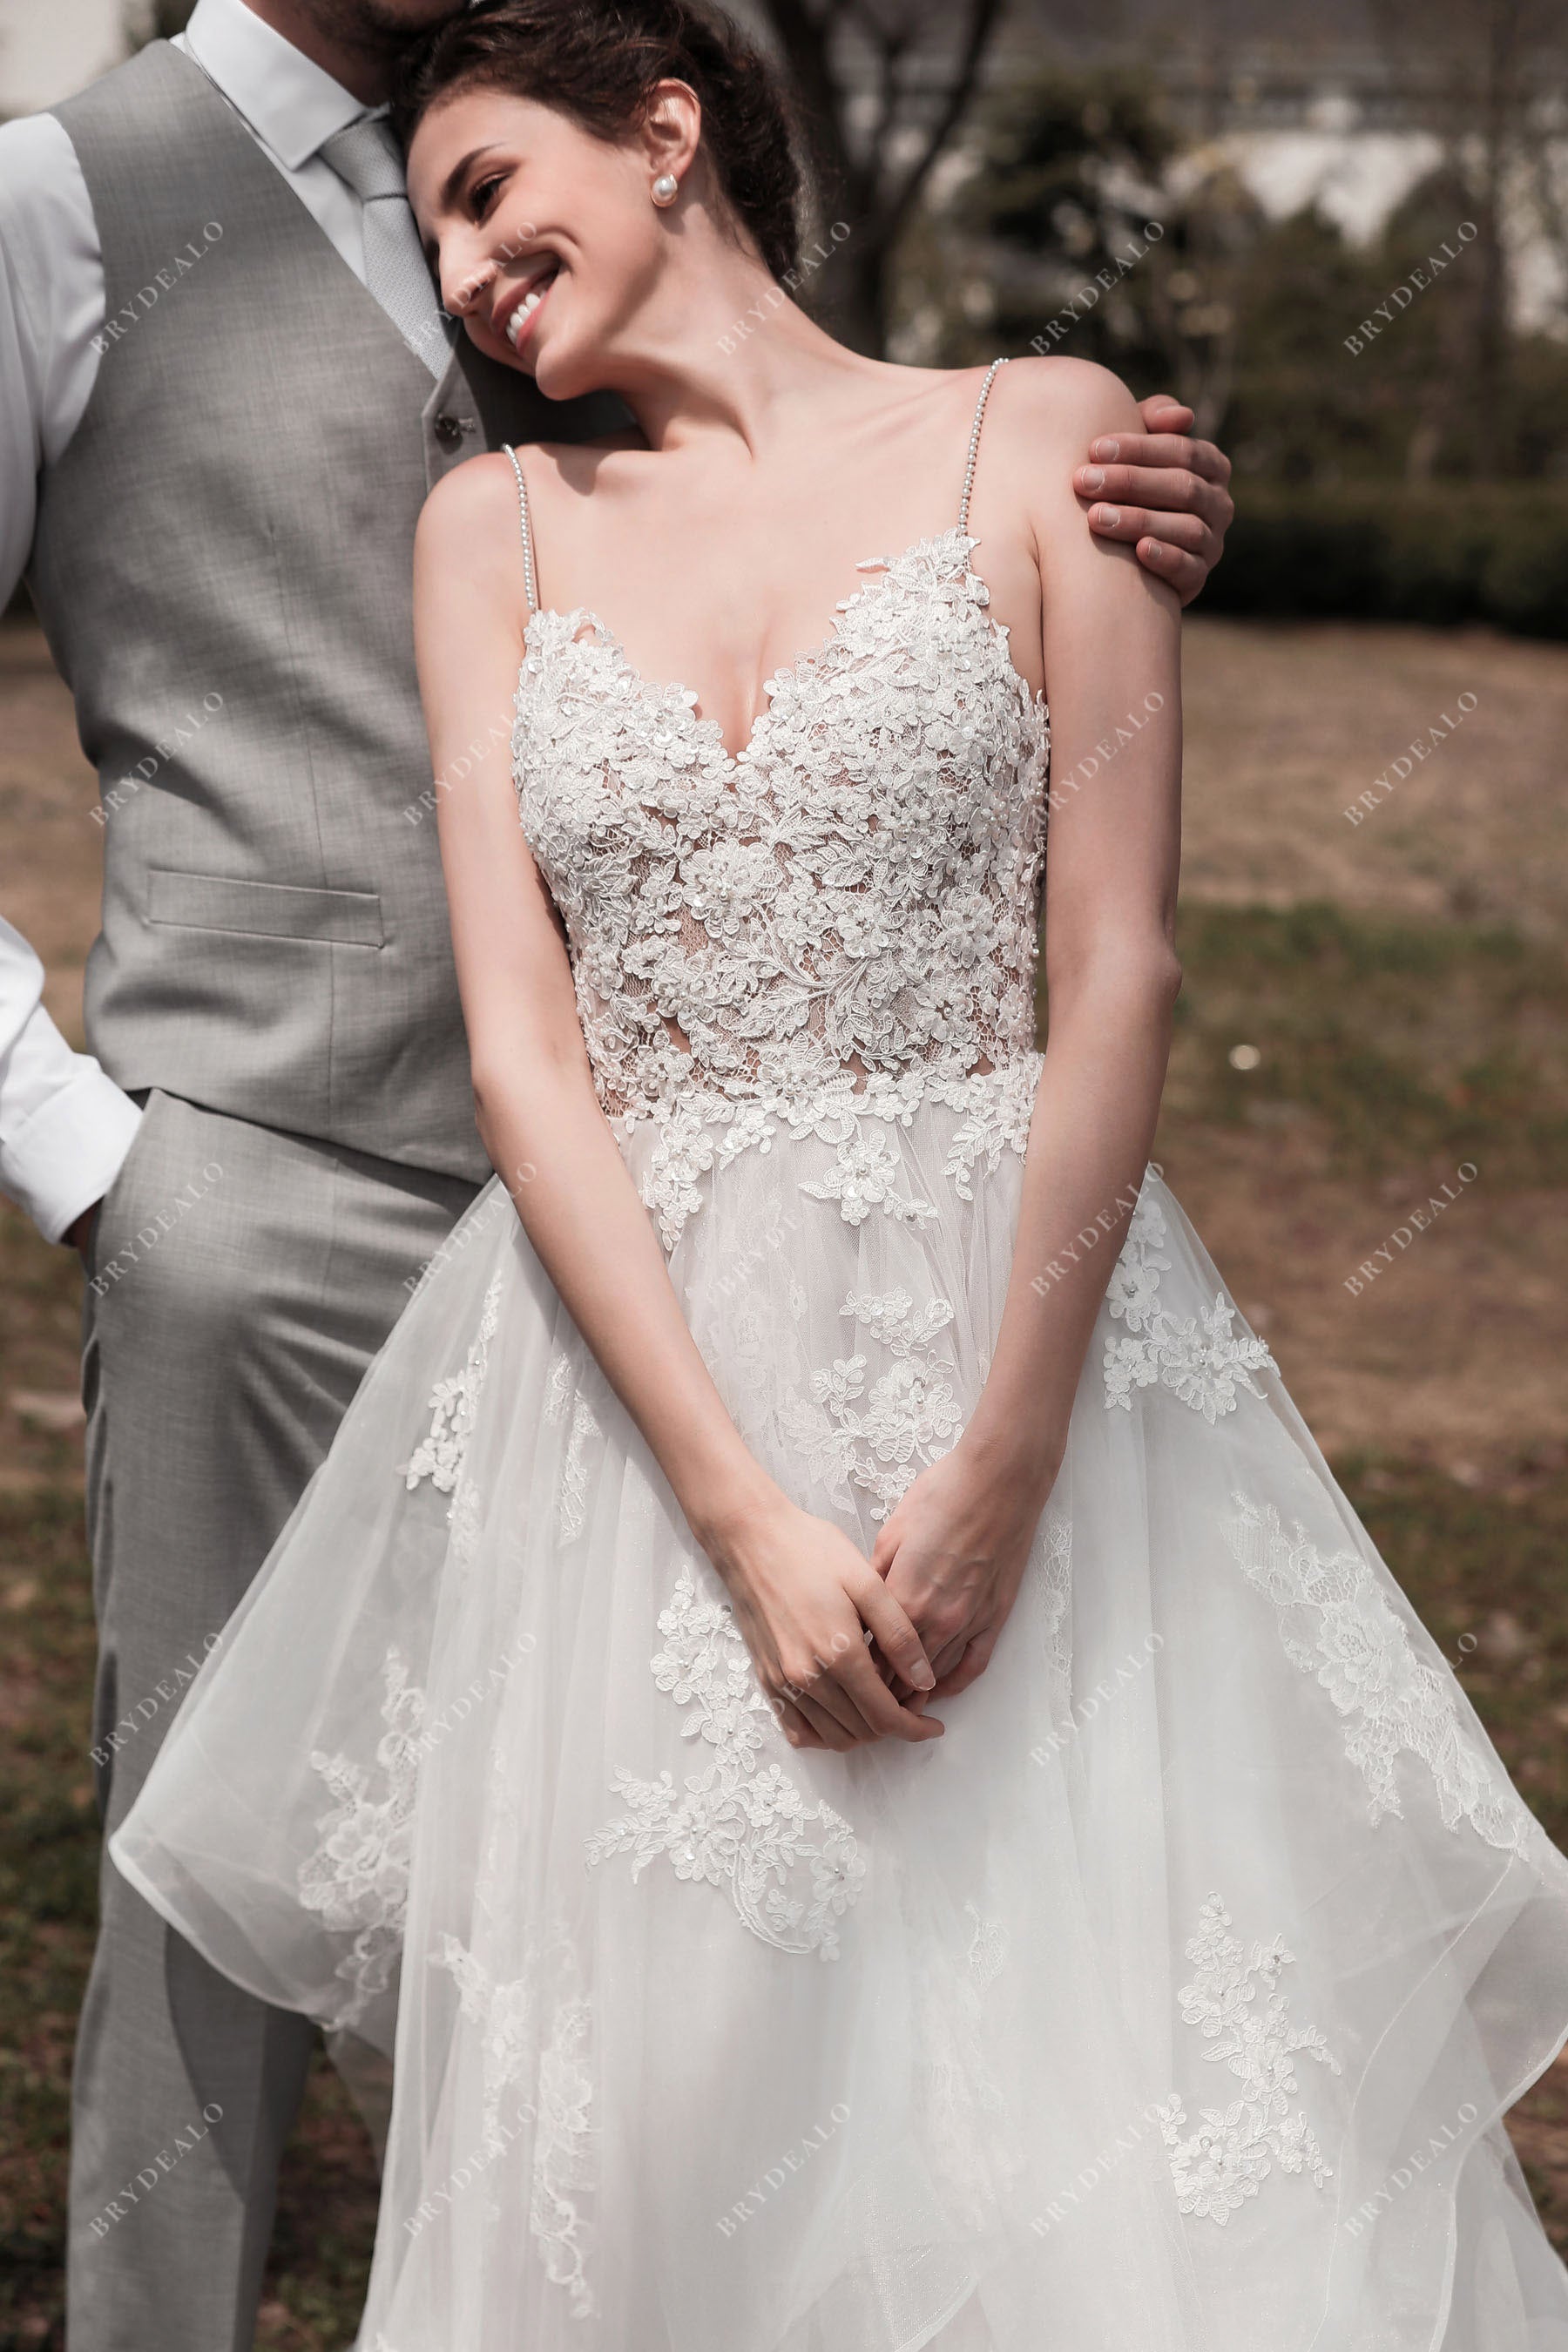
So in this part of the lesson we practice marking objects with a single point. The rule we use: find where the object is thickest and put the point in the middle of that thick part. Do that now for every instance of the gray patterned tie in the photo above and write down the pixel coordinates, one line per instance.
(365, 157)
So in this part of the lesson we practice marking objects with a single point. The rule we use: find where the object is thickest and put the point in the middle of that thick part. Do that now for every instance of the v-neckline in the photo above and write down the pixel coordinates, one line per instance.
(584, 615)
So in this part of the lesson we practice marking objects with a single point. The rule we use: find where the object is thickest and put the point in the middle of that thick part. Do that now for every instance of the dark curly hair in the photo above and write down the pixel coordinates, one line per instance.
(598, 62)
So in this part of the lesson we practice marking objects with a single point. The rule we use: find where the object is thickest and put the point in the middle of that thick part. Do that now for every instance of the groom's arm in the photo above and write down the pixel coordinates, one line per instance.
(65, 1126)
(1165, 492)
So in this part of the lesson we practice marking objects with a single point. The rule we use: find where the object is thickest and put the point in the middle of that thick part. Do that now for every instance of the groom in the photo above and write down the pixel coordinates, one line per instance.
(227, 391)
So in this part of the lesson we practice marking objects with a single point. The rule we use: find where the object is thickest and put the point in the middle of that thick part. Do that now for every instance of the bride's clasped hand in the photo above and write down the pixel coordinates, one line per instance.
(850, 1650)
(808, 1603)
(955, 1552)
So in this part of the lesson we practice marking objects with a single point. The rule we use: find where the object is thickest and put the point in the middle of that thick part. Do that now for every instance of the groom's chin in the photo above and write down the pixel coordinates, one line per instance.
(390, 25)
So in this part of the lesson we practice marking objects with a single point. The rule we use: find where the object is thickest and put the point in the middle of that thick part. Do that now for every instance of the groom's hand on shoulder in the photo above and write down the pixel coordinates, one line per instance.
(1166, 493)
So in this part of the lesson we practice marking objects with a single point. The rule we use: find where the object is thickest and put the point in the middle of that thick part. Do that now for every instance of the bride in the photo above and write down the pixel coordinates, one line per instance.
(825, 1706)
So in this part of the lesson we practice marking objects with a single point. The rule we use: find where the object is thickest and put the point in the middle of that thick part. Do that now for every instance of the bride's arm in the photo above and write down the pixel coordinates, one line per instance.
(802, 1591)
(955, 1550)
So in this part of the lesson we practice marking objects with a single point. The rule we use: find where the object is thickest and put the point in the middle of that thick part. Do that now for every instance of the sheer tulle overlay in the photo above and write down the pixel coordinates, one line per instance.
(1173, 2000)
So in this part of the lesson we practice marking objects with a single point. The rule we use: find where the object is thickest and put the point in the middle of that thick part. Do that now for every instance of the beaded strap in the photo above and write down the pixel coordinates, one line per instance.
(990, 374)
(525, 526)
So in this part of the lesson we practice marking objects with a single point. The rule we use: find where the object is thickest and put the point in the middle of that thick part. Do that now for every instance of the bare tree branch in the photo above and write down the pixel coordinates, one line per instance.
(843, 55)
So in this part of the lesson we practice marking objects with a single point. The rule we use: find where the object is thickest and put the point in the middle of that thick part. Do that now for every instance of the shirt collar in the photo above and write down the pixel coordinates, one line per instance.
(290, 102)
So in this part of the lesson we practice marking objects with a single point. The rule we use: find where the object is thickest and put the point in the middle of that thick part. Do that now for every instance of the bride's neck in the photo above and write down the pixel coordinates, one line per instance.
(723, 349)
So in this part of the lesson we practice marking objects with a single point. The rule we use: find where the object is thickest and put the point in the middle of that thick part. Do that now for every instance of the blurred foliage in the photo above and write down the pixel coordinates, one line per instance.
(1437, 553)
(1250, 320)
(1092, 252)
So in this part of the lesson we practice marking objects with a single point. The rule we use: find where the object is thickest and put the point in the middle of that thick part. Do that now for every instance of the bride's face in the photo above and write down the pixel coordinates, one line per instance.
(544, 238)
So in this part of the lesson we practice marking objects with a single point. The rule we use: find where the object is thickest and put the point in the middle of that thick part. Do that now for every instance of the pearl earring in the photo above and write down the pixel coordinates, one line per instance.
(665, 188)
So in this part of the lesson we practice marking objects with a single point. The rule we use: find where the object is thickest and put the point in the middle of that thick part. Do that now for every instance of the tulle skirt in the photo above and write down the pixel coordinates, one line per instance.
(1169, 2003)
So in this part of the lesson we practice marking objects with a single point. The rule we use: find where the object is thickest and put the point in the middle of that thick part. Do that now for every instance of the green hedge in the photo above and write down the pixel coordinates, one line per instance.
(1443, 555)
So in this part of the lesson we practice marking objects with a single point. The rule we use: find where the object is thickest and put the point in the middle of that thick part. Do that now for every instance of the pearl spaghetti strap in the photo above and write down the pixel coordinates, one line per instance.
(991, 372)
(525, 524)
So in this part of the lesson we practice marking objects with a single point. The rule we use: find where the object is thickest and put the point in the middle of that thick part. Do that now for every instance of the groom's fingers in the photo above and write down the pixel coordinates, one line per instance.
(1168, 489)
(1178, 548)
(1186, 533)
(1167, 496)
(1176, 449)
(1162, 412)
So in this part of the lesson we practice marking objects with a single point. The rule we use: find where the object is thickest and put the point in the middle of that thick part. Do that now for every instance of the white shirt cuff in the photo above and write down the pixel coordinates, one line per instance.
(68, 1153)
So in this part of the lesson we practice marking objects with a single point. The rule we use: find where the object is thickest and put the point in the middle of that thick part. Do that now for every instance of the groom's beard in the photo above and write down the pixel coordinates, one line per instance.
(377, 31)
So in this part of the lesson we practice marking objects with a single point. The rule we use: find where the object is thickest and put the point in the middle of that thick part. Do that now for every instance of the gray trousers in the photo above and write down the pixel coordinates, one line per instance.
(241, 1282)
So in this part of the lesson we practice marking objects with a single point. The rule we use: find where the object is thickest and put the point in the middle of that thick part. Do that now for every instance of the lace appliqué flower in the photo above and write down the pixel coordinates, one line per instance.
(1052, 1585)
(883, 1437)
(865, 1176)
(560, 2113)
(1221, 2162)
(987, 1949)
(706, 1131)
(1203, 1368)
(357, 1877)
(565, 1402)
(1337, 1625)
(454, 1403)
(792, 1870)
(999, 1106)
(695, 1136)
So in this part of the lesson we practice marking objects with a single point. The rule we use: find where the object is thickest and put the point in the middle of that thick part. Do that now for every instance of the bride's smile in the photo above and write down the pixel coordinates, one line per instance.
(522, 320)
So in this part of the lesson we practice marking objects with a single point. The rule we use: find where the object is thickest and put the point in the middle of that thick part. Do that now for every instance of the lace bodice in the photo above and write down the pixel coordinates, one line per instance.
(851, 899)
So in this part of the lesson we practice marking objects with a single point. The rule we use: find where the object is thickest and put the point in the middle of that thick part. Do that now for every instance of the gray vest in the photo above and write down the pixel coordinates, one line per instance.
(222, 565)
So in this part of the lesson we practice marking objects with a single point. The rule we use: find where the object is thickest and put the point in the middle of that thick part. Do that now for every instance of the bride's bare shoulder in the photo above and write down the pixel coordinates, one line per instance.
(1059, 404)
(1044, 416)
(477, 501)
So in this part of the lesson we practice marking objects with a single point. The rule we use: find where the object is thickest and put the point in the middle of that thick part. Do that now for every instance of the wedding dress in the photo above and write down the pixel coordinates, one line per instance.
(1171, 2002)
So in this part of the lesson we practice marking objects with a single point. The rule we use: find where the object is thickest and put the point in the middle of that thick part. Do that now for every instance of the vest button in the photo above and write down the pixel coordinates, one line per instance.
(448, 430)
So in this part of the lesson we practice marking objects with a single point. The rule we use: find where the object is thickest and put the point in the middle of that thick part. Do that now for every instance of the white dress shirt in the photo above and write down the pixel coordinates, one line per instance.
(65, 1126)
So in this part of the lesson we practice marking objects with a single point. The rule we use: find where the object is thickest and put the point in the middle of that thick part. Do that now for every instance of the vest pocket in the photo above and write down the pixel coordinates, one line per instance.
(271, 910)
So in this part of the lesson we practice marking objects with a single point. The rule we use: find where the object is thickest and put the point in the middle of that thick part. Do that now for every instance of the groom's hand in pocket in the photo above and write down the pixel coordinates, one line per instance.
(1165, 493)
(79, 1236)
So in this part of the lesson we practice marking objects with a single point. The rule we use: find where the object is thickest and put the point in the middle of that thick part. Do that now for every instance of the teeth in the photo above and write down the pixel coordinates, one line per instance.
(527, 307)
